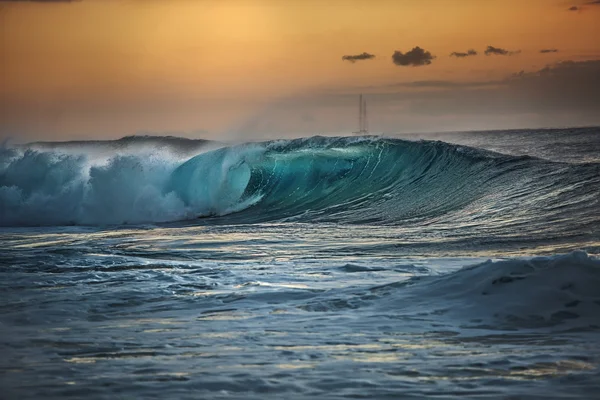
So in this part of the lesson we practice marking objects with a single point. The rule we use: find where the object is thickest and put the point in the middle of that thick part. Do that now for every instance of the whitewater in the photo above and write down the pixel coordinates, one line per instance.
(456, 265)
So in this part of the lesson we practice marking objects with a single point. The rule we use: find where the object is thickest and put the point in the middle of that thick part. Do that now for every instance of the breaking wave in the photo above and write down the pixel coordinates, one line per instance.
(342, 180)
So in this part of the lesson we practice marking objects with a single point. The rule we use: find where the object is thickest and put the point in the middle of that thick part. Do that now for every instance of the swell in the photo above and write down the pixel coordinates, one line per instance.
(341, 180)
(556, 291)
(561, 292)
(386, 181)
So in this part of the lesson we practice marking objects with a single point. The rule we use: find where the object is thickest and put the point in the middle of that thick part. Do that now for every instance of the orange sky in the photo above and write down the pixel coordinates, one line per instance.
(107, 68)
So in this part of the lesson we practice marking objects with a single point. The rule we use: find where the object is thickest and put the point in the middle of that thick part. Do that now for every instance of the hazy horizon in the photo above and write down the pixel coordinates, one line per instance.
(200, 136)
(236, 70)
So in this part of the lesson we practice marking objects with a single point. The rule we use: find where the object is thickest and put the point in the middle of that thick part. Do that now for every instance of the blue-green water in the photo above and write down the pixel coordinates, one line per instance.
(320, 267)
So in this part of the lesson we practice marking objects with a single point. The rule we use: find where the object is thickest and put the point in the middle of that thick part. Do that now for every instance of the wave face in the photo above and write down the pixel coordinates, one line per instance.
(390, 182)
(342, 180)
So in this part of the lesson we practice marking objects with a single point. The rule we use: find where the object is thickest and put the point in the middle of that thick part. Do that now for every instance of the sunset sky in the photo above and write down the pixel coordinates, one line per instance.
(275, 68)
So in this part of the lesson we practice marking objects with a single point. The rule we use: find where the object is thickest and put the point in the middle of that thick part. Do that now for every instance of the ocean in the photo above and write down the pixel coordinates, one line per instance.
(447, 266)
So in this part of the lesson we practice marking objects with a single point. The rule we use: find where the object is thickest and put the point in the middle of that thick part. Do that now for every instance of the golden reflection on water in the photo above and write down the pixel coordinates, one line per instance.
(386, 357)
(218, 335)
(42, 243)
(81, 360)
(412, 345)
(330, 347)
(535, 371)
(157, 330)
(206, 293)
(224, 316)
(296, 366)
(544, 370)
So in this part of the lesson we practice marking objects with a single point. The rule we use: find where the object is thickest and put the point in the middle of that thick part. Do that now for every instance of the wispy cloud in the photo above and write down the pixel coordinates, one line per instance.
(468, 53)
(358, 57)
(587, 3)
(545, 51)
(415, 57)
(497, 51)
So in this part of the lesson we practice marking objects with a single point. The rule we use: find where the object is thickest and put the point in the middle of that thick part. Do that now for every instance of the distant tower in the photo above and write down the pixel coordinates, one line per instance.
(363, 122)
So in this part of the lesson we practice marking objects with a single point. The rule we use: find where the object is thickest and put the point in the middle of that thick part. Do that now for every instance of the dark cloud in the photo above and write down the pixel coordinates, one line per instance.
(491, 50)
(459, 54)
(416, 57)
(544, 51)
(573, 8)
(568, 87)
(358, 57)
(594, 3)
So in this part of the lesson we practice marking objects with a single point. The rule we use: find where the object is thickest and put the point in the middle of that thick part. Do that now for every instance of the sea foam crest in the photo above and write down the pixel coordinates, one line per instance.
(49, 188)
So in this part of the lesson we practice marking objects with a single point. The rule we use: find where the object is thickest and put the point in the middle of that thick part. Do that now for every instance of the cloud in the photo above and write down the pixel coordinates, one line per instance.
(416, 57)
(459, 54)
(358, 57)
(491, 50)
(588, 3)
(544, 51)
(568, 87)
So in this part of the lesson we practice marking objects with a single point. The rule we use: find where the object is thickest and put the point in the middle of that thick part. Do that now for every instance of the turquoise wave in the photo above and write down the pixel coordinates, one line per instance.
(378, 180)
(356, 180)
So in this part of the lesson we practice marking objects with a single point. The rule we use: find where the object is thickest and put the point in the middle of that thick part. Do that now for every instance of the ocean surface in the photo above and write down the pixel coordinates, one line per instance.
(448, 266)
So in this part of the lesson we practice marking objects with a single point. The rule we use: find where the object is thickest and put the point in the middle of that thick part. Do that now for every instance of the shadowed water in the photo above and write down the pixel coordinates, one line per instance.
(327, 268)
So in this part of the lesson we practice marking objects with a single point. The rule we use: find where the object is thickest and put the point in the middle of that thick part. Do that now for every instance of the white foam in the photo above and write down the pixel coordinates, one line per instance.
(51, 188)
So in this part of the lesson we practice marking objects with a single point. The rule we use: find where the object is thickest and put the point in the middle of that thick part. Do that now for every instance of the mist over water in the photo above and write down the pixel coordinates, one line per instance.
(462, 265)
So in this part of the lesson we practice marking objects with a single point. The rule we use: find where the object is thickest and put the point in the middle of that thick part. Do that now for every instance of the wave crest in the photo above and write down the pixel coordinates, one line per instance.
(347, 180)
